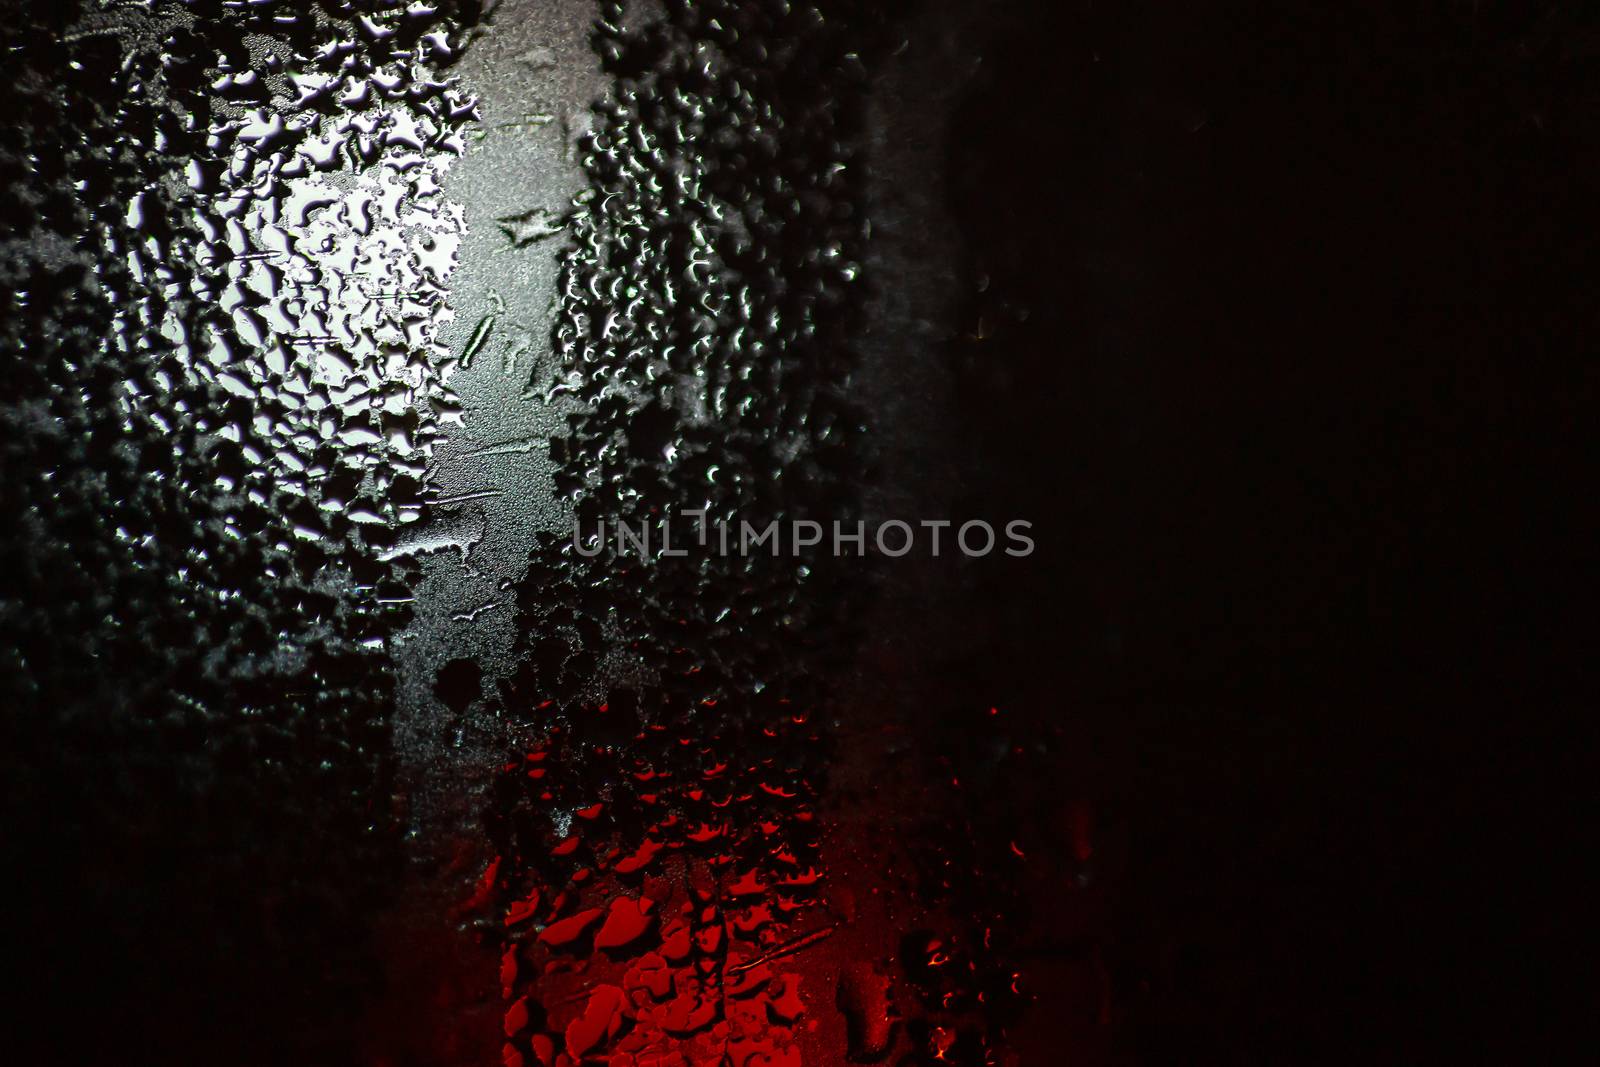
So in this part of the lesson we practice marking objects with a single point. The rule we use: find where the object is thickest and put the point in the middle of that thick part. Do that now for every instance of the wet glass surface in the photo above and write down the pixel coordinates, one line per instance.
(327, 324)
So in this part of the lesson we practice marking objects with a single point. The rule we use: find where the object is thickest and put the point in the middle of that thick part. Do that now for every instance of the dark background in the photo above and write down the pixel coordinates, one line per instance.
(1289, 351)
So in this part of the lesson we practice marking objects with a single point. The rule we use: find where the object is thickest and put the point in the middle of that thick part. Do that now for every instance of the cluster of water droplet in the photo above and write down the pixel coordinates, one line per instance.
(223, 275)
(665, 880)
(325, 249)
(668, 758)
(260, 253)
(702, 329)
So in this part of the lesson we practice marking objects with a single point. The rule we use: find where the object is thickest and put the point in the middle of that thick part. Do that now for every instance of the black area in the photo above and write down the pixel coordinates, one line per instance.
(458, 684)
(1288, 350)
